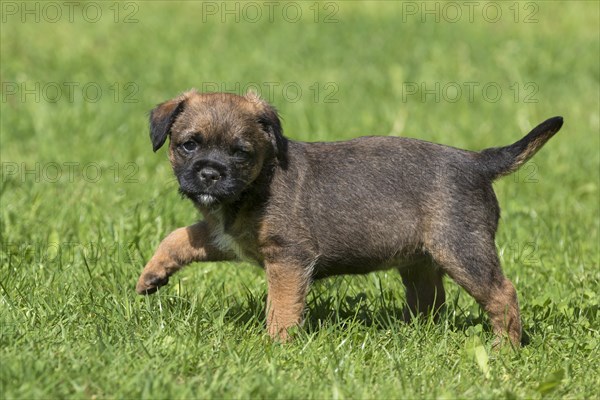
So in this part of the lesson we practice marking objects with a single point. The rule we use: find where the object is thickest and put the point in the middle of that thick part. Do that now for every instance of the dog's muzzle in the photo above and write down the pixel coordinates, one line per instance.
(206, 182)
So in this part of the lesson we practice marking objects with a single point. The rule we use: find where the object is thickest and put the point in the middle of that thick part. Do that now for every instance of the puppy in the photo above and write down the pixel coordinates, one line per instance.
(305, 211)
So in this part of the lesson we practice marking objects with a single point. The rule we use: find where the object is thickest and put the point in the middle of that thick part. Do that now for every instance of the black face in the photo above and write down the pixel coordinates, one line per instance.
(213, 173)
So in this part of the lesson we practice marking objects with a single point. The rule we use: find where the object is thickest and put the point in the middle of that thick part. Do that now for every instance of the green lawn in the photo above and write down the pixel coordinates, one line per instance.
(84, 201)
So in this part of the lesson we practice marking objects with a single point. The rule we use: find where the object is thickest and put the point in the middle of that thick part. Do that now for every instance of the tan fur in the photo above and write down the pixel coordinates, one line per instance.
(288, 286)
(502, 307)
(181, 247)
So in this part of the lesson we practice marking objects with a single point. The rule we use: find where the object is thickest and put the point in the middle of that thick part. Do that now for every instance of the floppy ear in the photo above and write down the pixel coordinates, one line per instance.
(268, 118)
(162, 118)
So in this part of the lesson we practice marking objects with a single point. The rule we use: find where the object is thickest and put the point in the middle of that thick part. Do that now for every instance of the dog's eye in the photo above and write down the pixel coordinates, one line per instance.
(242, 152)
(189, 146)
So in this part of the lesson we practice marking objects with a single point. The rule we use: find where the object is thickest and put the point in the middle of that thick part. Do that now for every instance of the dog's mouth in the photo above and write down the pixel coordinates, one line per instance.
(206, 200)
(201, 198)
(225, 191)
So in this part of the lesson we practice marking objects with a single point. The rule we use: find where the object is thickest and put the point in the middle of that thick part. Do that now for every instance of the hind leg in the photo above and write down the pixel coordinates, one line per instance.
(503, 308)
(424, 290)
(473, 263)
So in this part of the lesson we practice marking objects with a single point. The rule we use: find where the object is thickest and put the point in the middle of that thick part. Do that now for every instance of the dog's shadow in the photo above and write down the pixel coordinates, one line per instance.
(325, 311)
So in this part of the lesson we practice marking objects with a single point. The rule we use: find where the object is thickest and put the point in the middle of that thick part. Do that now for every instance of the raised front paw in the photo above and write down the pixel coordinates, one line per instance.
(150, 281)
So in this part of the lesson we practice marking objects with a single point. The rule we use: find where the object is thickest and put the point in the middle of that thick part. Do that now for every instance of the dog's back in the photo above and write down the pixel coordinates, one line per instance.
(380, 199)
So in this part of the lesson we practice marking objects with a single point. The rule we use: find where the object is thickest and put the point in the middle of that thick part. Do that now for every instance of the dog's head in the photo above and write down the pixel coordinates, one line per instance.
(220, 143)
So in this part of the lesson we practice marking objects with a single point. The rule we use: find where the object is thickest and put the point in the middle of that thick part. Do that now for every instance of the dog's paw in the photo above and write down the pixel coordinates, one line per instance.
(150, 282)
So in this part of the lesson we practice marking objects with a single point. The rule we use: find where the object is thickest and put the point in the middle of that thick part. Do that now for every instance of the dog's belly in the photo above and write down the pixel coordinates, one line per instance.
(325, 269)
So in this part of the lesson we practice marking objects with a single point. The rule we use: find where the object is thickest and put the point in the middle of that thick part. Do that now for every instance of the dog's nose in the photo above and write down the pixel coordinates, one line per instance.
(209, 175)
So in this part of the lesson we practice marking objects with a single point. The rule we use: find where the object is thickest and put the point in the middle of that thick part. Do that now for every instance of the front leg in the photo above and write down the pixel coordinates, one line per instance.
(181, 247)
(286, 298)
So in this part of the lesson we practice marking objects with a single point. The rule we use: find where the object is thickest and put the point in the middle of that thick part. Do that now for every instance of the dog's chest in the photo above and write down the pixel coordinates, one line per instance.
(226, 241)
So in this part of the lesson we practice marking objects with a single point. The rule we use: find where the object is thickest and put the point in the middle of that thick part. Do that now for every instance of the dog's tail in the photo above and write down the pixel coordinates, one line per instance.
(500, 161)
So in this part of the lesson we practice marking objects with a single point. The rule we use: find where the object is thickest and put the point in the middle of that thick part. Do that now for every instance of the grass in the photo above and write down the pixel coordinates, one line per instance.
(74, 242)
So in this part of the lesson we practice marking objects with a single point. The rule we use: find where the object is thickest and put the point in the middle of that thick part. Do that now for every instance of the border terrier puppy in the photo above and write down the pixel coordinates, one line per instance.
(305, 211)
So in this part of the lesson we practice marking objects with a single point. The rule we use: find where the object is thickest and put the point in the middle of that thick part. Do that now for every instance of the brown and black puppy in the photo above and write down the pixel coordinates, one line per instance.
(305, 211)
